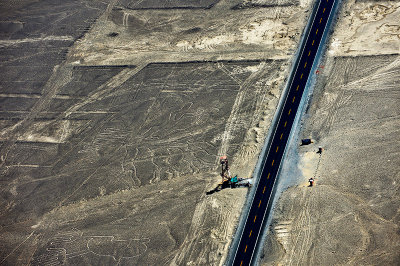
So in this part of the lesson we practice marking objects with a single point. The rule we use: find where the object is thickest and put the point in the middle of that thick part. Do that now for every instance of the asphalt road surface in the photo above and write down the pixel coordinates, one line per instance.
(261, 201)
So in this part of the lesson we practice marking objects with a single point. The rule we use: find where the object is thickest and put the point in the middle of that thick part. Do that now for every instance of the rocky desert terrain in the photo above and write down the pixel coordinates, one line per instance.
(113, 115)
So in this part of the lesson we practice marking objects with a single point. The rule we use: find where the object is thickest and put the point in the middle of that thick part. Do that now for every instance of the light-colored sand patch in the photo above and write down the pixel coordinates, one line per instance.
(53, 131)
(367, 28)
(192, 35)
(308, 164)
(6, 43)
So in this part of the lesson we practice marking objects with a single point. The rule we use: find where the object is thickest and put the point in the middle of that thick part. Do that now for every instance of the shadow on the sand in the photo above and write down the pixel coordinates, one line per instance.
(220, 187)
(241, 182)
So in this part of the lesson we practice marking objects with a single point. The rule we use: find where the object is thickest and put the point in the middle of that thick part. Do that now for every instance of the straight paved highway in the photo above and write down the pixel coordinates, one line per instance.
(244, 255)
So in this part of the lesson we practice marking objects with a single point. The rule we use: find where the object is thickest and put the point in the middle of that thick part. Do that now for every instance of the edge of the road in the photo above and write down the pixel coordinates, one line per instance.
(300, 112)
(267, 142)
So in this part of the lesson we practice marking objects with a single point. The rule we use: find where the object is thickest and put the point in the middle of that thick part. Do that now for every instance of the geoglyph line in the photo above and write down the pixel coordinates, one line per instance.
(231, 123)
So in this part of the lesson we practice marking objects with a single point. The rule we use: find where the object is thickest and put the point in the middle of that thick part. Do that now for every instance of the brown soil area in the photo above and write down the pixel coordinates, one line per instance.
(112, 121)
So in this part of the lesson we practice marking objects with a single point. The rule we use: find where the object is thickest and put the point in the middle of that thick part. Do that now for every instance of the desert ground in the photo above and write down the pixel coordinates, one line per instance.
(113, 115)
(351, 215)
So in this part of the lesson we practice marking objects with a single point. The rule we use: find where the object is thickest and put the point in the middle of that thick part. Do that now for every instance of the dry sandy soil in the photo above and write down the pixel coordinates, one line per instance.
(113, 115)
(352, 215)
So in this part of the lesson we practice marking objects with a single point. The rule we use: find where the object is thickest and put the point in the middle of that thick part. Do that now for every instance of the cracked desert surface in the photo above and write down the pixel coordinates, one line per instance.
(113, 115)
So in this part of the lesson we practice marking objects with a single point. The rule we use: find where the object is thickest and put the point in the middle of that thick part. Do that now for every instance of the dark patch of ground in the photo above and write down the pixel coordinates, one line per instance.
(37, 38)
(257, 4)
(171, 4)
